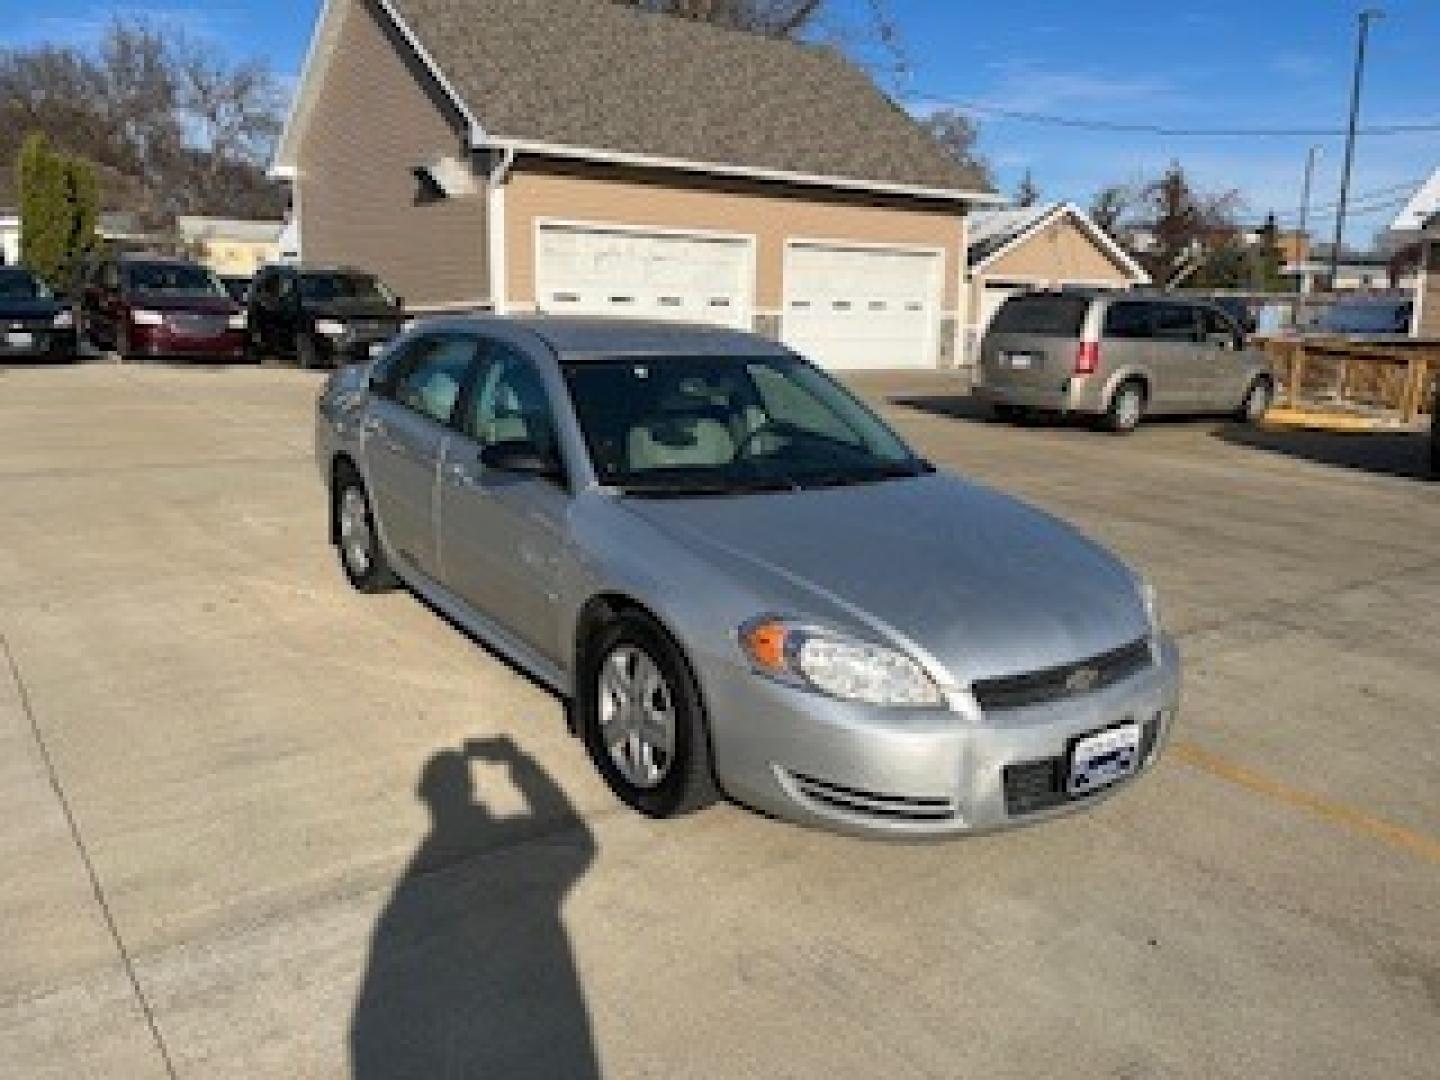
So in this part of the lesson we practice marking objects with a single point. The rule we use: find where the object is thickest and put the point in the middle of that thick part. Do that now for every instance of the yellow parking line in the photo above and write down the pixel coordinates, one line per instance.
(1337, 813)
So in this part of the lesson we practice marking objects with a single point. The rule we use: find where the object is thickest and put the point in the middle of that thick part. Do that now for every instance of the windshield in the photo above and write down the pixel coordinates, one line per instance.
(17, 284)
(718, 425)
(327, 288)
(172, 279)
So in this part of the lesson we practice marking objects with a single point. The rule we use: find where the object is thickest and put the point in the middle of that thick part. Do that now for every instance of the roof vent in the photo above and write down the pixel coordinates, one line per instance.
(446, 178)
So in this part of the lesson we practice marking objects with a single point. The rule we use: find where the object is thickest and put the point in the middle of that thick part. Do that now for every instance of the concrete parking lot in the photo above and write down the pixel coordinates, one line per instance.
(255, 825)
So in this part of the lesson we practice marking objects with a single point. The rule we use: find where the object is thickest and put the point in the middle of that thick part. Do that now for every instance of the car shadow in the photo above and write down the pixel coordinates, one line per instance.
(964, 407)
(1399, 453)
(470, 972)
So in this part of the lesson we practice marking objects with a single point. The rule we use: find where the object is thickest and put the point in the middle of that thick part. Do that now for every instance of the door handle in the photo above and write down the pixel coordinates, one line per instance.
(460, 476)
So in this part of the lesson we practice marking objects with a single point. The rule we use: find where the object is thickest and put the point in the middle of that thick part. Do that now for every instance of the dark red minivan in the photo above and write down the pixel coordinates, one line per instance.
(154, 306)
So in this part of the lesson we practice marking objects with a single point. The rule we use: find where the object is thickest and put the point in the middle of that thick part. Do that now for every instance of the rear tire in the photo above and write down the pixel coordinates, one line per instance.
(1257, 401)
(1126, 408)
(612, 699)
(357, 540)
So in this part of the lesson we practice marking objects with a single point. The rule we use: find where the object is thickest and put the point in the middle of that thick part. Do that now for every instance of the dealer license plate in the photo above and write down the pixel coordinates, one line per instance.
(1101, 759)
(19, 339)
(375, 347)
(1020, 361)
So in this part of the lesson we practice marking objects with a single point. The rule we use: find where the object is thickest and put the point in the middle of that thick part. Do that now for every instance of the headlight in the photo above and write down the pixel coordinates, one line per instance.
(330, 327)
(64, 319)
(238, 321)
(1152, 605)
(143, 317)
(837, 666)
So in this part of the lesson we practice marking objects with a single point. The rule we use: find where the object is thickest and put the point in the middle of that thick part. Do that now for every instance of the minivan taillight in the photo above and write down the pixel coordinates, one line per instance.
(1087, 358)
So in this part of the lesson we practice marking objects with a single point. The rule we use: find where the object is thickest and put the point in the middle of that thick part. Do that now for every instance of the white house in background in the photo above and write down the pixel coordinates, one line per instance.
(1423, 205)
(1046, 246)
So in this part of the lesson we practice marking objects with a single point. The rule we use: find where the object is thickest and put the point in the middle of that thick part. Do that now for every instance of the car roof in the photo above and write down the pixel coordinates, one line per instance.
(577, 337)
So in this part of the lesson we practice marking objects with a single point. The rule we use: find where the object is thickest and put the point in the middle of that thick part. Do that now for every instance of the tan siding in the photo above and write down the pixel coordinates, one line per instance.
(770, 215)
(1059, 252)
(374, 120)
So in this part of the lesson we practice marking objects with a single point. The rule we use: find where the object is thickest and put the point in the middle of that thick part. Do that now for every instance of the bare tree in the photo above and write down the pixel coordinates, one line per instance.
(170, 124)
(1110, 206)
(1184, 222)
(775, 18)
(958, 134)
(1027, 192)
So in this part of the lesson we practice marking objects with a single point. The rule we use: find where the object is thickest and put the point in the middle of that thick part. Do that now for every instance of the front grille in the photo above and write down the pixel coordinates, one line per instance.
(204, 323)
(1065, 681)
(873, 804)
(1032, 786)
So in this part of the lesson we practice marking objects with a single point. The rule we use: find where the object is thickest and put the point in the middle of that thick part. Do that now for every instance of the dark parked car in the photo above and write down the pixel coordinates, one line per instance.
(237, 286)
(33, 322)
(322, 316)
(1367, 318)
(150, 305)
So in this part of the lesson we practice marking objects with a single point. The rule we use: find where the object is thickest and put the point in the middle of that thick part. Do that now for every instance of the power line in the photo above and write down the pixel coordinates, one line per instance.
(1087, 124)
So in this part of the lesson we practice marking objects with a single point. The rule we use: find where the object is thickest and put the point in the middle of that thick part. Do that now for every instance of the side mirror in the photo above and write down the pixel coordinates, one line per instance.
(523, 458)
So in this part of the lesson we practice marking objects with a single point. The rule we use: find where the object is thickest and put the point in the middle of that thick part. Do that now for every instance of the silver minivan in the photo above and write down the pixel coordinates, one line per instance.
(1119, 357)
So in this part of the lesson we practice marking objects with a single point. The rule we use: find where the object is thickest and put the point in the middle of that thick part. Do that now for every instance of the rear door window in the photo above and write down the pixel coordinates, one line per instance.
(1042, 316)
(1176, 323)
(1129, 320)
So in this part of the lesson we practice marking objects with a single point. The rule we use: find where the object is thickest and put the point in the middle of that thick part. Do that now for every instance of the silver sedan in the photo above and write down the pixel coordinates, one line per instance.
(742, 581)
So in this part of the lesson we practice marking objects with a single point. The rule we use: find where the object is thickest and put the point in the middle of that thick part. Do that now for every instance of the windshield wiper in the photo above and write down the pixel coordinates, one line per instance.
(871, 475)
(696, 490)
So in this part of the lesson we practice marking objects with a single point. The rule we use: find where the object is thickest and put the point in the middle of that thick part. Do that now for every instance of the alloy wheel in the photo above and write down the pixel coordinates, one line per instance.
(355, 532)
(637, 716)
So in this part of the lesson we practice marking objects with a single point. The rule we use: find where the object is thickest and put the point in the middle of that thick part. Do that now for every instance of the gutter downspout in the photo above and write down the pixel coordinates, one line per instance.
(497, 265)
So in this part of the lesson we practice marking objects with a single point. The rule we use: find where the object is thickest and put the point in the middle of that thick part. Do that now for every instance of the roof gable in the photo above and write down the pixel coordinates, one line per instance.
(994, 234)
(591, 75)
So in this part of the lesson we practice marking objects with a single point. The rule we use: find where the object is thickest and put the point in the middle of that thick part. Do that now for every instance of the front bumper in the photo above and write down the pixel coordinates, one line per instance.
(161, 341)
(934, 772)
(30, 342)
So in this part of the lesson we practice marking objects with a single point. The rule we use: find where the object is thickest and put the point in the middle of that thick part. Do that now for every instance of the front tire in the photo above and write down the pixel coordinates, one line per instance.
(306, 355)
(642, 719)
(356, 538)
(1126, 408)
(1258, 400)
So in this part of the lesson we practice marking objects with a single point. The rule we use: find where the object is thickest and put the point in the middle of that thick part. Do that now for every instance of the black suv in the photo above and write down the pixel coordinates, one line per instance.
(33, 323)
(321, 316)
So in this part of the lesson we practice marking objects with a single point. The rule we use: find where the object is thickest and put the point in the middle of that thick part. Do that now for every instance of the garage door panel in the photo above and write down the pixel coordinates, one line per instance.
(850, 308)
(627, 273)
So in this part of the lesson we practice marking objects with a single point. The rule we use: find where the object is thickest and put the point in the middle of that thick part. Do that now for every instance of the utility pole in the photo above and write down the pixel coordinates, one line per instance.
(1367, 16)
(1303, 248)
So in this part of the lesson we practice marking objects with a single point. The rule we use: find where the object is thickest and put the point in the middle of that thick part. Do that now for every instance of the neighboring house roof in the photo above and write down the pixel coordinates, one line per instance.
(1423, 205)
(233, 230)
(995, 233)
(602, 81)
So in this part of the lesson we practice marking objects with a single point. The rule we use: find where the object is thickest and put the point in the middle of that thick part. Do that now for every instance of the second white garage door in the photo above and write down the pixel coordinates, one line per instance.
(637, 274)
(863, 307)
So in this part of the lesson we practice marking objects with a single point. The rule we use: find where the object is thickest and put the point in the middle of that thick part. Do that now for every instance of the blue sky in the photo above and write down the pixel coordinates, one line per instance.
(1226, 63)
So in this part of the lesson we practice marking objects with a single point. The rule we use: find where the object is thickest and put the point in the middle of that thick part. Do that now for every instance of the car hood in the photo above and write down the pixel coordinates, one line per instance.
(352, 310)
(983, 584)
(160, 302)
(25, 310)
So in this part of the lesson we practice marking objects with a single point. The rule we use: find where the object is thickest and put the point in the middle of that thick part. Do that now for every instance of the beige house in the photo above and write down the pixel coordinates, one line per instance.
(1046, 246)
(579, 156)
(228, 245)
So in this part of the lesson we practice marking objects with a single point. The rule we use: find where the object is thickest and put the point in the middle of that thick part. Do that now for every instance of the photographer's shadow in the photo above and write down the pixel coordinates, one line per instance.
(470, 971)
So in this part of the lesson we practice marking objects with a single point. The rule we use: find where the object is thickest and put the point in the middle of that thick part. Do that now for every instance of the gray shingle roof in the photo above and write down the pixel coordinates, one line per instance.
(590, 73)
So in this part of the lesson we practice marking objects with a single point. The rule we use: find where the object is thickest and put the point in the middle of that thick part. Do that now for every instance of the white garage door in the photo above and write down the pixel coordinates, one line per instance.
(854, 308)
(624, 273)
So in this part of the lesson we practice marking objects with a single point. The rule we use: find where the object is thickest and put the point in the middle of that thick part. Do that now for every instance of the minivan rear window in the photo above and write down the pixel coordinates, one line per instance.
(1042, 316)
